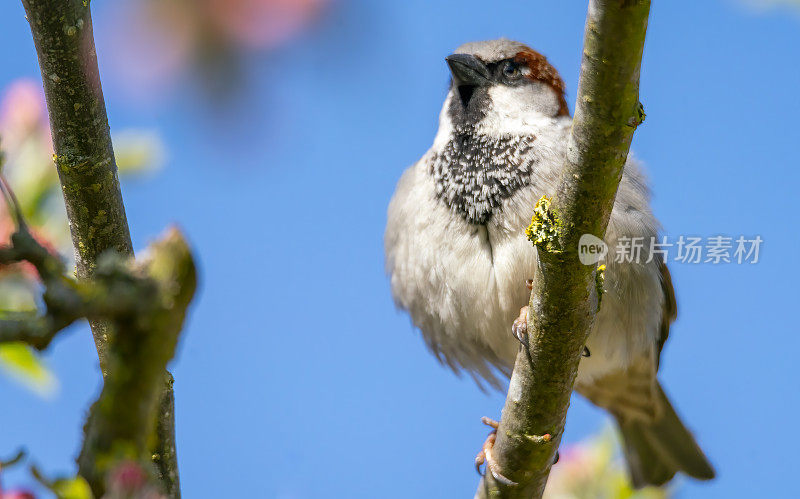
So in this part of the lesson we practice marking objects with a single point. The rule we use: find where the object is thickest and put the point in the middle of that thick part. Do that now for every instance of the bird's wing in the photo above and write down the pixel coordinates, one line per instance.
(632, 392)
(670, 309)
(655, 441)
(628, 393)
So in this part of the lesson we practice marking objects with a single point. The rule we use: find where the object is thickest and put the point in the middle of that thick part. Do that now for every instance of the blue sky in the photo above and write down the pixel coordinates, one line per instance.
(296, 376)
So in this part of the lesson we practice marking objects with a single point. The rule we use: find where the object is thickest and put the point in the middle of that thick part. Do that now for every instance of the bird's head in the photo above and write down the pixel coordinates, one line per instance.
(501, 81)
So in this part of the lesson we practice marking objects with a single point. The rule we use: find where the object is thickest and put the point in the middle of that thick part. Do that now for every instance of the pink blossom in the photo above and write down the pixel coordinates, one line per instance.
(262, 23)
(22, 114)
(17, 494)
(156, 42)
(127, 477)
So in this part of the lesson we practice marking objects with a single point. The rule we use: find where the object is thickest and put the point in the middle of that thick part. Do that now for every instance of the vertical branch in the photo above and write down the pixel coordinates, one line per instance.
(563, 302)
(84, 157)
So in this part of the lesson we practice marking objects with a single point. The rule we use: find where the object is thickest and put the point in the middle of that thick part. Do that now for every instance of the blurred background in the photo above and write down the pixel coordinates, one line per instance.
(274, 131)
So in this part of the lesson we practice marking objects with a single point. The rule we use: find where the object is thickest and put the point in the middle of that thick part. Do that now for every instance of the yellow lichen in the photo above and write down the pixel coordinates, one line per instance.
(544, 228)
(599, 279)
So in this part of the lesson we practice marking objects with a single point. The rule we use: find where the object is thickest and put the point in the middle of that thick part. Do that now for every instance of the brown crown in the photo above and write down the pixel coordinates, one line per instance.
(543, 71)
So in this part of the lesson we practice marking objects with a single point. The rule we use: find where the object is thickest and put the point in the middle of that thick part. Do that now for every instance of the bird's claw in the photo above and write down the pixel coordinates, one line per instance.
(520, 326)
(490, 422)
(485, 455)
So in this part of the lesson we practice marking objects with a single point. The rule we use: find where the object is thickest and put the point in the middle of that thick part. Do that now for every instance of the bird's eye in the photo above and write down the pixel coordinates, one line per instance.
(511, 70)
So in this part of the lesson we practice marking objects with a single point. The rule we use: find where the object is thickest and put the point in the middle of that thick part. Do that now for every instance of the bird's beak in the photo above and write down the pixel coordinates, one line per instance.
(468, 74)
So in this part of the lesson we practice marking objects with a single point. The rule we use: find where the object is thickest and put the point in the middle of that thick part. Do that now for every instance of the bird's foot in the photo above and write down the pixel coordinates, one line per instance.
(520, 326)
(485, 455)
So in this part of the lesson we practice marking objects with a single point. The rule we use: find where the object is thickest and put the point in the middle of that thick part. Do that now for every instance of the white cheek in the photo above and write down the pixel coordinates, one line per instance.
(513, 108)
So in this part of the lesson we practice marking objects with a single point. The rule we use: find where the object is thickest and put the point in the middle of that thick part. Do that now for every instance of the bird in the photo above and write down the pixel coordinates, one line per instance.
(456, 253)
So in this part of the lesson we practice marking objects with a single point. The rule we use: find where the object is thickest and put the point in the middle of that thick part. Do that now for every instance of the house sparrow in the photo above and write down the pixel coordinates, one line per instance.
(458, 257)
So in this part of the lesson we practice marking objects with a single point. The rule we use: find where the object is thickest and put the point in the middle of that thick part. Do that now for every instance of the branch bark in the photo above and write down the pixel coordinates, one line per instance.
(84, 157)
(123, 419)
(564, 300)
(145, 303)
(66, 300)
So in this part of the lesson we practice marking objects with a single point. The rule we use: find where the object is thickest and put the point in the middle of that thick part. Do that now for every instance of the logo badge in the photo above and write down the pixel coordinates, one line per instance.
(591, 249)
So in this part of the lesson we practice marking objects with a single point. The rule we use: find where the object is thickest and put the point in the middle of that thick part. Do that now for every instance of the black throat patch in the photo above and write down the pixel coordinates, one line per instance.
(475, 173)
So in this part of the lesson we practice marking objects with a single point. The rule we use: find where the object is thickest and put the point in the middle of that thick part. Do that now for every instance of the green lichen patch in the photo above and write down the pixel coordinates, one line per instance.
(639, 116)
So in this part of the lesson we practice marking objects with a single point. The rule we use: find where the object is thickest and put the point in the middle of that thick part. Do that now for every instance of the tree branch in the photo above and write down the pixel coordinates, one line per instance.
(84, 157)
(62, 32)
(64, 305)
(563, 302)
(67, 300)
(145, 304)
(123, 419)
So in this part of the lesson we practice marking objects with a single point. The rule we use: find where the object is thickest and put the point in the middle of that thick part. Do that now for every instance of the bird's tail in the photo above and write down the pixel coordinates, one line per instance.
(656, 450)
